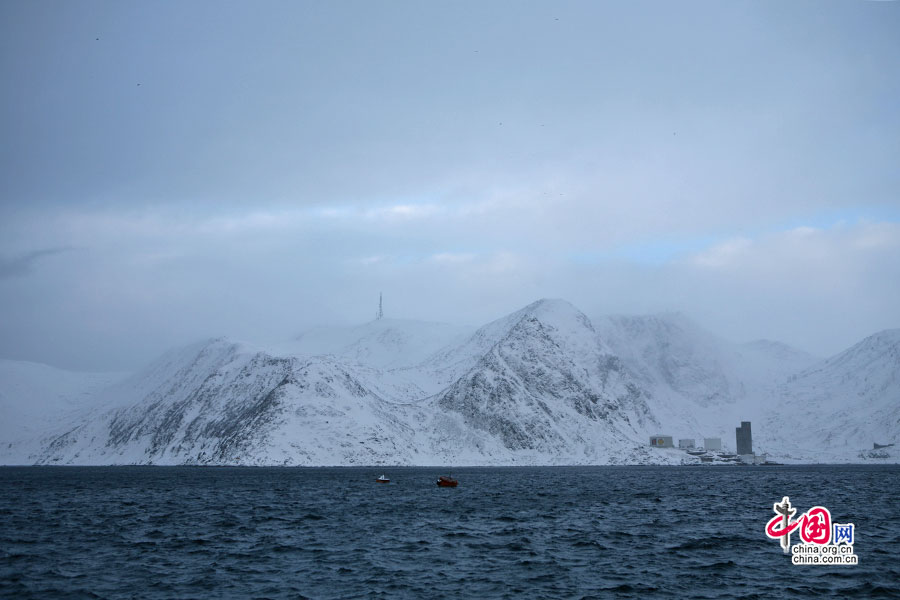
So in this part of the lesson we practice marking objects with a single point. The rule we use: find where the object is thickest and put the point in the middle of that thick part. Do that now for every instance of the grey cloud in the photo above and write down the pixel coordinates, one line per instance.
(279, 165)
(25, 264)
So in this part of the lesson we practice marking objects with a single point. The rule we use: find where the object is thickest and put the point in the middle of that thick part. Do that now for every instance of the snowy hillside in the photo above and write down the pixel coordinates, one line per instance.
(670, 352)
(765, 360)
(36, 398)
(700, 385)
(227, 403)
(842, 405)
(543, 385)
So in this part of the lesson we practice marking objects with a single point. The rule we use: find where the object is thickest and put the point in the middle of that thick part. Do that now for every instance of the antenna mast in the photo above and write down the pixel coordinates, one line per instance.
(380, 313)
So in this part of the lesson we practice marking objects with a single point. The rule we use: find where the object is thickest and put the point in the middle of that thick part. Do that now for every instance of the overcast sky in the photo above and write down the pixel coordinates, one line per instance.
(175, 170)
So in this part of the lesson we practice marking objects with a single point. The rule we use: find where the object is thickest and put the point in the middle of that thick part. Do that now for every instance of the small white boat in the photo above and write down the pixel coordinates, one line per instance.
(383, 479)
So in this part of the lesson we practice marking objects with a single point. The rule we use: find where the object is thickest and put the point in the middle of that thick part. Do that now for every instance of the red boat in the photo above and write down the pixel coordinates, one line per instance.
(447, 481)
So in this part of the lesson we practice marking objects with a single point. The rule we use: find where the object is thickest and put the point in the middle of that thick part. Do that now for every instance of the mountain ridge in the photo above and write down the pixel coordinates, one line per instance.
(542, 385)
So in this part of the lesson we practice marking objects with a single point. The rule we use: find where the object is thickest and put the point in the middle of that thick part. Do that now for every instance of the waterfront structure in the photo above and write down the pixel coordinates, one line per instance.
(661, 441)
(712, 444)
(686, 444)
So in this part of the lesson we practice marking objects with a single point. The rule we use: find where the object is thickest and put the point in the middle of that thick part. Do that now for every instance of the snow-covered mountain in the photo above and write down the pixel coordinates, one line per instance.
(543, 385)
(700, 385)
(222, 402)
(841, 405)
(540, 383)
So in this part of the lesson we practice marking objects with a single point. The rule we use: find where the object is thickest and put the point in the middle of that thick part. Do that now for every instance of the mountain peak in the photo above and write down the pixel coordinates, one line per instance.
(556, 312)
(550, 304)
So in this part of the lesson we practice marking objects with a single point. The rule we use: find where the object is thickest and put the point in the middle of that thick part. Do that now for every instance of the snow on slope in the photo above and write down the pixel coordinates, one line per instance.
(699, 385)
(227, 403)
(841, 406)
(453, 361)
(35, 398)
(764, 365)
(546, 387)
(670, 351)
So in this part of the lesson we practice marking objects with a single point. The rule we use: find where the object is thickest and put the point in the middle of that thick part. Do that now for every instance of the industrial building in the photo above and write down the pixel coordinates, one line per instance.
(712, 444)
(686, 444)
(661, 441)
(744, 441)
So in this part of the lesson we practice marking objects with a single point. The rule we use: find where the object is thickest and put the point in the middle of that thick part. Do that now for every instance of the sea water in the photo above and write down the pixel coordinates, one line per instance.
(541, 532)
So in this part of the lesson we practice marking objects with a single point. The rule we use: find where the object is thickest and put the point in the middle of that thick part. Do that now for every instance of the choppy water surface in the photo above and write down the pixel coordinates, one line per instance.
(179, 532)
